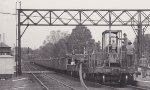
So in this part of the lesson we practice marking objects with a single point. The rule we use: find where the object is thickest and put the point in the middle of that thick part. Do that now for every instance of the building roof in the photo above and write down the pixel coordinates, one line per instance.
(3, 45)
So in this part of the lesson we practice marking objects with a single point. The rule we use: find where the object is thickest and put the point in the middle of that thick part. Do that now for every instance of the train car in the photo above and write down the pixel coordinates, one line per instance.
(46, 63)
(113, 68)
(55, 64)
(7, 66)
(143, 68)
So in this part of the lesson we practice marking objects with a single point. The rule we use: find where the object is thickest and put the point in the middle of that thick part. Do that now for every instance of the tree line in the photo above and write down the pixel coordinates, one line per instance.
(58, 43)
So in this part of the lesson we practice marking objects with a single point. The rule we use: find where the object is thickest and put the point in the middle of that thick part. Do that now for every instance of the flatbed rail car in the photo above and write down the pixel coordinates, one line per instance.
(7, 66)
(95, 69)
(55, 64)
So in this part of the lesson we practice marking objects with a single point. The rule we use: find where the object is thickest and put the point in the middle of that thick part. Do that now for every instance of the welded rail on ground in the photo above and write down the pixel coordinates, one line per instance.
(137, 88)
(50, 78)
(38, 79)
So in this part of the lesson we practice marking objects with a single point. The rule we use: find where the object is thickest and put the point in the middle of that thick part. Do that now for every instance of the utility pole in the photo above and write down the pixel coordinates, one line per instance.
(18, 40)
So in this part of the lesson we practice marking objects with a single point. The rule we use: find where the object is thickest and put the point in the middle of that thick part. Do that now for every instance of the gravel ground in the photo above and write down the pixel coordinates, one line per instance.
(76, 83)
(143, 82)
(52, 84)
(23, 82)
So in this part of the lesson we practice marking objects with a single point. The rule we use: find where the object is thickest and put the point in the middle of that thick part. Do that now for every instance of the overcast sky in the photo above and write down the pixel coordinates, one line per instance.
(34, 36)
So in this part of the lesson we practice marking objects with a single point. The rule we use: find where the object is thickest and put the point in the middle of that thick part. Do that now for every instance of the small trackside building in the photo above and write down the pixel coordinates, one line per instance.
(7, 62)
(4, 49)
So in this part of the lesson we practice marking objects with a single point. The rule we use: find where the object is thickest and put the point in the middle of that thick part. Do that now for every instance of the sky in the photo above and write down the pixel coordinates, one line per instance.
(34, 36)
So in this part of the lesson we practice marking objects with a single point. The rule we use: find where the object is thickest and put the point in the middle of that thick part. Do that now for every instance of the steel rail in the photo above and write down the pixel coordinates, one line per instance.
(137, 88)
(38, 79)
(72, 88)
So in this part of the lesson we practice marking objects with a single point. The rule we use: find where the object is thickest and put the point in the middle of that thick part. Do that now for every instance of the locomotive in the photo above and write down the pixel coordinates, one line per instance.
(102, 67)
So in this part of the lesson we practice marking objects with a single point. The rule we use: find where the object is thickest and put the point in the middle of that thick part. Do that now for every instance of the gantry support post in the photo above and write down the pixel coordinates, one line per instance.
(19, 45)
(139, 38)
(139, 42)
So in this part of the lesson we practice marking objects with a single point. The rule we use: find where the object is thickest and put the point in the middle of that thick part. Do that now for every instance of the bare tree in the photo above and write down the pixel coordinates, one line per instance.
(55, 36)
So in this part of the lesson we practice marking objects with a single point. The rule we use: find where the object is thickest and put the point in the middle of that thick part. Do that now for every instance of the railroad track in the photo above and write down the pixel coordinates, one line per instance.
(95, 86)
(71, 85)
(45, 84)
(41, 83)
(137, 88)
(118, 87)
(126, 87)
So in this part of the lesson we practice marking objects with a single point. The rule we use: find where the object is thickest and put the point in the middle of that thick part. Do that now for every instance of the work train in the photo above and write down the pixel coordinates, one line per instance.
(102, 67)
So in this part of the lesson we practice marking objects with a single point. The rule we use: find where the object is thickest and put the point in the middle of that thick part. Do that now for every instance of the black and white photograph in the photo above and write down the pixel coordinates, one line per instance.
(74, 45)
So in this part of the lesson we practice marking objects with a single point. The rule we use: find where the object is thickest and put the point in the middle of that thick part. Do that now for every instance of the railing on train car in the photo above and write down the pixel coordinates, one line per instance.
(123, 59)
(97, 59)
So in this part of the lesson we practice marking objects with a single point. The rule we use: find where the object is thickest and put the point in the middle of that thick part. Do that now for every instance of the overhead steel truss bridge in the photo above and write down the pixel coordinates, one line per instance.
(87, 17)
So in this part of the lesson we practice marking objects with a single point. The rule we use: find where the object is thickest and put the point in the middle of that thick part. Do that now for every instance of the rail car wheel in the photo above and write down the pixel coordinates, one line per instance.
(99, 78)
(91, 77)
(84, 75)
(132, 79)
(76, 74)
(124, 79)
(68, 72)
(103, 79)
(71, 73)
(88, 76)
(95, 78)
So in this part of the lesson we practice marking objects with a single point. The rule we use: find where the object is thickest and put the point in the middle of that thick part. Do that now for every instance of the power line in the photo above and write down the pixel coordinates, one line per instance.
(48, 17)
(7, 13)
(40, 16)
